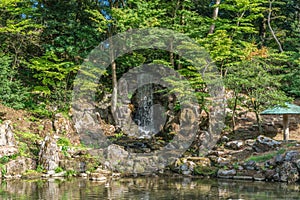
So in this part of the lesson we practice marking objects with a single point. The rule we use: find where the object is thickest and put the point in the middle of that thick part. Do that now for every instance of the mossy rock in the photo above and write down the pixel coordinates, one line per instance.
(205, 170)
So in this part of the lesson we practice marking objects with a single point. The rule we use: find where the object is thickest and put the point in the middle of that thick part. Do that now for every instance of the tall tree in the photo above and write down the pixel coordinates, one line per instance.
(214, 16)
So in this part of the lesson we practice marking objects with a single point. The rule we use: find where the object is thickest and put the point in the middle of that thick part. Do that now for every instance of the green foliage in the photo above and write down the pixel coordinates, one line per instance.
(70, 173)
(39, 110)
(65, 144)
(3, 169)
(62, 141)
(4, 159)
(55, 76)
(40, 169)
(28, 143)
(58, 170)
(257, 84)
(119, 135)
(27, 136)
(12, 93)
(43, 44)
(23, 149)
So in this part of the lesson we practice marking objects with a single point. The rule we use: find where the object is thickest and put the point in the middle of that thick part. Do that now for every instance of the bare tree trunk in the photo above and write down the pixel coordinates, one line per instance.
(112, 4)
(215, 16)
(234, 111)
(270, 27)
(258, 120)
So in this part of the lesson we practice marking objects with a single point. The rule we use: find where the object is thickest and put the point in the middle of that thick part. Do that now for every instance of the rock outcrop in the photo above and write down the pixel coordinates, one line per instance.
(49, 154)
(264, 144)
(7, 140)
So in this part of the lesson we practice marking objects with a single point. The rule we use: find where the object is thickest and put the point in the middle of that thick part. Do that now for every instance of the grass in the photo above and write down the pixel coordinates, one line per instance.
(265, 157)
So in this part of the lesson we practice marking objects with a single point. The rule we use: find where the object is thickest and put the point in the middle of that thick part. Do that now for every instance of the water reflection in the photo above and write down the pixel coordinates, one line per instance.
(146, 189)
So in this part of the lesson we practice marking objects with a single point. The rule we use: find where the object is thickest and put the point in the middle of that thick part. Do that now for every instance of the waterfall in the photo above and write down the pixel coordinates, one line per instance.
(144, 115)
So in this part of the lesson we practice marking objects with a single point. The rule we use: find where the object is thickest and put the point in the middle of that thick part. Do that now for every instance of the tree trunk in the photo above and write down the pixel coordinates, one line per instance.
(270, 27)
(234, 111)
(258, 122)
(215, 16)
(112, 4)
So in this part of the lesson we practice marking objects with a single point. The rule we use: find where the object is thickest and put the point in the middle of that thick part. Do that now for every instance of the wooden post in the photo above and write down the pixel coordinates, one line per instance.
(286, 127)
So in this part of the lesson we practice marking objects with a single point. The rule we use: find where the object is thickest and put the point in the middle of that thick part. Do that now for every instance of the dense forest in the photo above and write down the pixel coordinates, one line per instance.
(254, 43)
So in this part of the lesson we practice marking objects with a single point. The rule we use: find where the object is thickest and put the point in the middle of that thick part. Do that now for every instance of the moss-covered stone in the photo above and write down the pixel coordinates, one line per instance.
(205, 170)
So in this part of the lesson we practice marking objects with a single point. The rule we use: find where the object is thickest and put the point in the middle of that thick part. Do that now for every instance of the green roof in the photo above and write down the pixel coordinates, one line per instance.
(291, 109)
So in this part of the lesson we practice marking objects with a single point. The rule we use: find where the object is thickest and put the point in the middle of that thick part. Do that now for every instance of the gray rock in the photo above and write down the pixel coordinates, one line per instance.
(62, 125)
(279, 159)
(224, 172)
(97, 177)
(60, 174)
(8, 151)
(297, 162)
(250, 165)
(243, 177)
(19, 166)
(84, 175)
(6, 134)
(235, 145)
(276, 177)
(50, 172)
(269, 174)
(223, 161)
(73, 164)
(184, 167)
(291, 155)
(250, 142)
(288, 172)
(259, 178)
(49, 154)
(263, 144)
(188, 172)
(224, 138)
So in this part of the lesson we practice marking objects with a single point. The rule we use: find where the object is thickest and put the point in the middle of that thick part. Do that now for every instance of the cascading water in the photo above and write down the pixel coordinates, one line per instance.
(144, 114)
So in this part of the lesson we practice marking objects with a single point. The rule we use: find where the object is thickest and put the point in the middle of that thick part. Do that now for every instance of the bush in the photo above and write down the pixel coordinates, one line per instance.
(12, 92)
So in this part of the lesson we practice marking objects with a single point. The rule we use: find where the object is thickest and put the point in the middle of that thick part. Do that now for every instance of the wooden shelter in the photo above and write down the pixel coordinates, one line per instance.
(288, 109)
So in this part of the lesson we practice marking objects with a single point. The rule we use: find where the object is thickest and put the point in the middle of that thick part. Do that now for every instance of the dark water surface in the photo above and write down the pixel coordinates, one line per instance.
(146, 188)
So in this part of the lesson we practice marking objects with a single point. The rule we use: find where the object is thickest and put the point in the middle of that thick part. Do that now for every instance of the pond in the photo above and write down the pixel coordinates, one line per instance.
(146, 188)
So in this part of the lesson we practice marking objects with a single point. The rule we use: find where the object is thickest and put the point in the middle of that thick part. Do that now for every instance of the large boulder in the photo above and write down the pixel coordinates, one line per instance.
(19, 166)
(7, 139)
(118, 159)
(263, 144)
(62, 125)
(49, 154)
(287, 172)
(6, 134)
(226, 173)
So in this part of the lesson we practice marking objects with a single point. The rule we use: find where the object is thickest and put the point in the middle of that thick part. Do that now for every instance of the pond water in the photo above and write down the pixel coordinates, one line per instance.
(146, 188)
